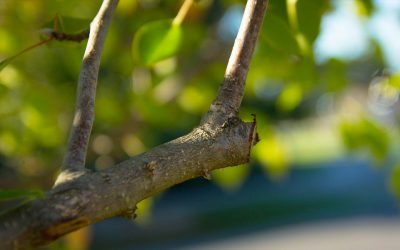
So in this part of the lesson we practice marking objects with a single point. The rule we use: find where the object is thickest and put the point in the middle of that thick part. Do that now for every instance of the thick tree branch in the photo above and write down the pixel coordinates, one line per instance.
(222, 140)
(115, 191)
(74, 160)
(231, 91)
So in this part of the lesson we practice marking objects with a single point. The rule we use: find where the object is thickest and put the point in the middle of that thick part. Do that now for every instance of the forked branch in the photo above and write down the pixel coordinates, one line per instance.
(221, 140)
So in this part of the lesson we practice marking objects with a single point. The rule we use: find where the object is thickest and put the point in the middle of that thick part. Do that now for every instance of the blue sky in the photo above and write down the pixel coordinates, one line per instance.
(345, 35)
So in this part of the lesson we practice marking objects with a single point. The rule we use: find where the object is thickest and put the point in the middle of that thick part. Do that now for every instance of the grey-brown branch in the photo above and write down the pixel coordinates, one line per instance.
(74, 160)
(230, 94)
(221, 140)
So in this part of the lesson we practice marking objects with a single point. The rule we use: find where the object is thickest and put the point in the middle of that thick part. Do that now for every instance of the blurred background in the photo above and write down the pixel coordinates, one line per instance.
(324, 83)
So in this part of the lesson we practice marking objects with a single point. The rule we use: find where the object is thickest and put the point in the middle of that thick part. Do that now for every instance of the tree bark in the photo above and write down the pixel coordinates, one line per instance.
(221, 140)
(74, 160)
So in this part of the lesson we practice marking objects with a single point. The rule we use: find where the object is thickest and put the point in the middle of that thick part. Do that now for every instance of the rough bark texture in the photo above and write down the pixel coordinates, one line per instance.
(221, 140)
(115, 191)
(74, 160)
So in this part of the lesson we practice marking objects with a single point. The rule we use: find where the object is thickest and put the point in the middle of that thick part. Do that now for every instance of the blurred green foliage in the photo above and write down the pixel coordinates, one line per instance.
(12, 194)
(395, 181)
(366, 133)
(157, 79)
(156, 41)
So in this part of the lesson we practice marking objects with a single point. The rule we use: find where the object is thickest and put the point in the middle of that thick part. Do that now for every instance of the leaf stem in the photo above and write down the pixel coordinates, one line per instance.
(34, 46)
(182, 12)
(6, 61)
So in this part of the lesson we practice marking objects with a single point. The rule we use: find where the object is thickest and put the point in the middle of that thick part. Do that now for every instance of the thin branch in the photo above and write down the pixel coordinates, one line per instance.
(231, 91)
(74, 160)
(79, 37)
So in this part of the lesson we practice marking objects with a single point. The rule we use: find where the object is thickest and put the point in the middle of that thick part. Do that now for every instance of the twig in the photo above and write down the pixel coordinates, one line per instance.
(74, 160)
(79, 37)
(182, 12)
(231, 91)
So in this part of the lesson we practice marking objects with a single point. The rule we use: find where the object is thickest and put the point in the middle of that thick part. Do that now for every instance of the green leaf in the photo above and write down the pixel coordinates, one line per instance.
(272, 156)
(231, 178)
(73, 25)
(364, 7)
(156, 41)
(143, 210)
(394, 80)
(278, 34)
(310, 13)
(18, 194)
(366, 134)
(67, 25)
(290, 97)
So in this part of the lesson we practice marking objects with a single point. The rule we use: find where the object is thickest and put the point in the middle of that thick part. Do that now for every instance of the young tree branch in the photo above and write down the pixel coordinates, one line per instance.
(231, 91)
(74, 160)
(94, 196)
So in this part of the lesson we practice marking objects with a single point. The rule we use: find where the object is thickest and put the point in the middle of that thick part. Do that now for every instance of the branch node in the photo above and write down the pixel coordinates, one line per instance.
(206, 175)
(151, 167)
(253, 137)
(69, 175)
(130, 214)
(106, 177)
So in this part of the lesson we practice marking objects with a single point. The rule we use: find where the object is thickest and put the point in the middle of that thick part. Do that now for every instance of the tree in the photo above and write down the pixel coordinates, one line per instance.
(310, 105)
(81, 197)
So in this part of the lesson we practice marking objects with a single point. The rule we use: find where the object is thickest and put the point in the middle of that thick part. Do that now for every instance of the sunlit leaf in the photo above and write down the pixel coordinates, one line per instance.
(230, 178)
(290, 97)
(156, 41)
(126, 7)
(364, 7)
(195, 99)
(394, 80)
(143, 210)
(270, 152)
(18, 194)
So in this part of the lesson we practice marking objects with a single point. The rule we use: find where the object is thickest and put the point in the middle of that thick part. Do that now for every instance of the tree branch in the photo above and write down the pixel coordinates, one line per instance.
(231, 91)
(74, 160)
(94, 196)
